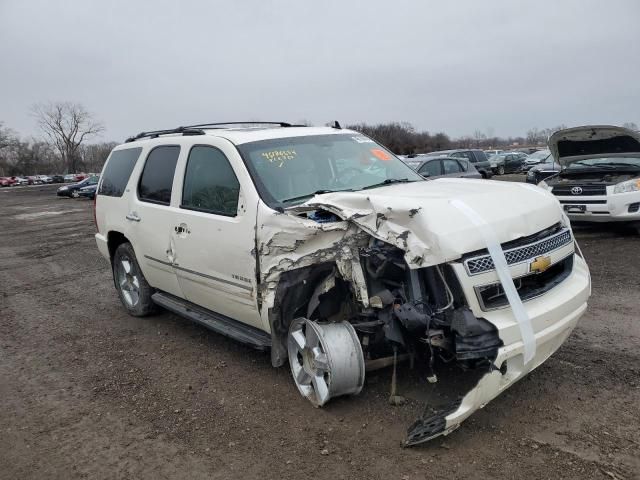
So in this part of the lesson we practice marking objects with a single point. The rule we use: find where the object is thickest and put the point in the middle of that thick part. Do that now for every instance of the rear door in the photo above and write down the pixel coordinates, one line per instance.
(214, 233)
(151, 217)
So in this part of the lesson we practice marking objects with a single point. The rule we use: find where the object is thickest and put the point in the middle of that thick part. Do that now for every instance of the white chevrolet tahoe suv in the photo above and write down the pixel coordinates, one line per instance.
(320, 245)
(599, 179)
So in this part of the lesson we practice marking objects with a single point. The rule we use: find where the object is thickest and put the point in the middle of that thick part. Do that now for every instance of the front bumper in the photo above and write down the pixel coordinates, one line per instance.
(553, 317)
(611, 207)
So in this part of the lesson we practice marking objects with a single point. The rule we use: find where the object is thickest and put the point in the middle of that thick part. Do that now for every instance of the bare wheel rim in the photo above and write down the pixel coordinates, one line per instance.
(326, 360)
(309, 364)
(128, 281)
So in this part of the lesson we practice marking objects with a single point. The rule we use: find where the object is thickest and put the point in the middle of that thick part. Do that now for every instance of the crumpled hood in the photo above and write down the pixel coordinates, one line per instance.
(593, 141)
(420, 219)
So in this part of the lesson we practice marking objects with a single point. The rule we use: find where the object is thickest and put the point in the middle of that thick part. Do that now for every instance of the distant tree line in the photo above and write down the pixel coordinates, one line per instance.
(64, 148)
(403, 139)
(68, 126)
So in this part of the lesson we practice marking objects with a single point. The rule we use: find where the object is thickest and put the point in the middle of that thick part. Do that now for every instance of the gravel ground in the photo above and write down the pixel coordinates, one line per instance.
(89, 392)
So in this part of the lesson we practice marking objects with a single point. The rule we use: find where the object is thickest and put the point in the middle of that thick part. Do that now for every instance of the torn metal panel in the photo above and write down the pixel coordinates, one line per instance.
(419, 219)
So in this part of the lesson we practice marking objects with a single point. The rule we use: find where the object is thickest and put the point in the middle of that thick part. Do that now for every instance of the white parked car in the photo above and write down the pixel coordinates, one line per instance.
(599, 179)
(322, 246)
(44, 178)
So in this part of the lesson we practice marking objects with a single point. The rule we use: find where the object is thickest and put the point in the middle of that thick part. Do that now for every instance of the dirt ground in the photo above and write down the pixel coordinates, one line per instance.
(90, 392)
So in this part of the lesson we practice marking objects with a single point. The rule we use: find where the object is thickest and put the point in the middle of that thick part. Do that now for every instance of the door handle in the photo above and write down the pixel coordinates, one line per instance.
(133, 216)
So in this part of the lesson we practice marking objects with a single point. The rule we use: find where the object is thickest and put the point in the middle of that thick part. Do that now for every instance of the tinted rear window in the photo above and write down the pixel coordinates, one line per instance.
(480, 156)
(116, 174)
(157, 177)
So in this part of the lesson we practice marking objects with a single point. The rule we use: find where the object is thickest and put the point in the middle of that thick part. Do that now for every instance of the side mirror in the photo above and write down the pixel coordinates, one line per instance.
(425, 174)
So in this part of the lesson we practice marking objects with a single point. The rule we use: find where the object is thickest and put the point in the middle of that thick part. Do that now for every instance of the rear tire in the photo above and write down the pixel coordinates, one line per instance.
(133, 289)
(501, 170)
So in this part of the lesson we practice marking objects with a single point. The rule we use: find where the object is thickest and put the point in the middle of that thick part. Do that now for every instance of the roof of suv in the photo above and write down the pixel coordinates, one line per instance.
(245, 134)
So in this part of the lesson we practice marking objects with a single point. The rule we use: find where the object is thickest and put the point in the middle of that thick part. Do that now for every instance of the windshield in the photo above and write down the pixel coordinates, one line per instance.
(288, 171)
(542, 154)
(607, 162)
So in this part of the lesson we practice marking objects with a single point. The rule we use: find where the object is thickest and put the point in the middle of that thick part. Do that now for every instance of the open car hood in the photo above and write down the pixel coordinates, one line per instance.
(420, 218)
(593, 141)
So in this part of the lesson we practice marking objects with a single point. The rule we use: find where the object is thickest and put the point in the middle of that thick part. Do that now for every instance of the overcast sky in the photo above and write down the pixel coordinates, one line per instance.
(454, 66)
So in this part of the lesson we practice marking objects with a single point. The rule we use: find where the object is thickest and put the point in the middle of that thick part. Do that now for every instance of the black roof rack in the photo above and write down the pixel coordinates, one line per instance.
(198, 129)
(216, 124)
(157, 133)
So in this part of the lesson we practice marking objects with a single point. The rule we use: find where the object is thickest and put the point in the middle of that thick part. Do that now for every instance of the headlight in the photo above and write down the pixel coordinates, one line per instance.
(628, 186)
(531, 173)
(544, 185)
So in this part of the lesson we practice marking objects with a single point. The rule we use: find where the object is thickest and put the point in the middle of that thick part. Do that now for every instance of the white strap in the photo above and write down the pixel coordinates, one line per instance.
(502, 269)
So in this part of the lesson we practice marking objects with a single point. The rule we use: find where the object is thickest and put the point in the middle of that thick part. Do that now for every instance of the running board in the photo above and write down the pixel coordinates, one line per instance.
(229, 327)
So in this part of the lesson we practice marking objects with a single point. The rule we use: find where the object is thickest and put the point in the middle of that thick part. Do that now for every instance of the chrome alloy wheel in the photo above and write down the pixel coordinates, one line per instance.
(326, 360)
(128, 281)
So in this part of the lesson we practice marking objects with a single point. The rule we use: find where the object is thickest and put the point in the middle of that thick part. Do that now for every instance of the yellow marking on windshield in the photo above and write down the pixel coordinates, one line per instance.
(279, 157)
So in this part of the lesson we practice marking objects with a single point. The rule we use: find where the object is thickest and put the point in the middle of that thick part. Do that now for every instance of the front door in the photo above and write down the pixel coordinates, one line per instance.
(214, 234)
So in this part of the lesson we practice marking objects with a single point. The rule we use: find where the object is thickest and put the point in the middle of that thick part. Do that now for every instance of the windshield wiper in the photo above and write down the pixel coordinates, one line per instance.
(389, 181)
(604, 166)
(317, 192)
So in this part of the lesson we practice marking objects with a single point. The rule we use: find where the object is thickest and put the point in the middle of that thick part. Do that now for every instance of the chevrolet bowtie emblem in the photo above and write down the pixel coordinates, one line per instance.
(540, 264)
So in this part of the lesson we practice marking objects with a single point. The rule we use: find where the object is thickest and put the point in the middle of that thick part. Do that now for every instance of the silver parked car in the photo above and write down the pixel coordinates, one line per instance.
(436, 167)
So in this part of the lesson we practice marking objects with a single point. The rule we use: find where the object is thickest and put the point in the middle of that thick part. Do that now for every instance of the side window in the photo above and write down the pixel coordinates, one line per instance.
(464, 165)
(117, 172)
(480, 156)
(466, 155)
(157, 177)
(431, 169)
(210, 184)
(450, 166)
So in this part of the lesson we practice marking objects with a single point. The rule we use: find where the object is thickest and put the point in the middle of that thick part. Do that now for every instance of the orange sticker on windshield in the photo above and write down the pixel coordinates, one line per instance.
(380, 154)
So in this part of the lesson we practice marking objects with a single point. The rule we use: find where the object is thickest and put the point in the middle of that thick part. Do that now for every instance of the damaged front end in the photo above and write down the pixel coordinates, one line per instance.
(348, 290)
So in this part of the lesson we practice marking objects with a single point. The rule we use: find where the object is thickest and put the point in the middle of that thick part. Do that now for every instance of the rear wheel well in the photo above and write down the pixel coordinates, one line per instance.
(114, 240)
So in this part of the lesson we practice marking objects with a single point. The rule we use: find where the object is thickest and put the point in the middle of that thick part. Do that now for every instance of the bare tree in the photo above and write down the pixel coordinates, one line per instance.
(67, 125)
(7, 136)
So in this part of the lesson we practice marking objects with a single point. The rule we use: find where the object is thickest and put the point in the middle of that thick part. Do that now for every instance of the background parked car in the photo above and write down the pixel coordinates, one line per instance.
(431, 167)
(73, 189)
(477, 157)
(506, 162)
(88, 191)
(543, 170)
(57, 178)
(34, 180)
(45, 178)
(535, 158)
(70, 177)
(19, 180)
(490, 153)
(5, 182)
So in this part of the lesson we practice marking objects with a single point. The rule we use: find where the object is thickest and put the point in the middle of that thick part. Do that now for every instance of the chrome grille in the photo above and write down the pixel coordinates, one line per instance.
(484, 263)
